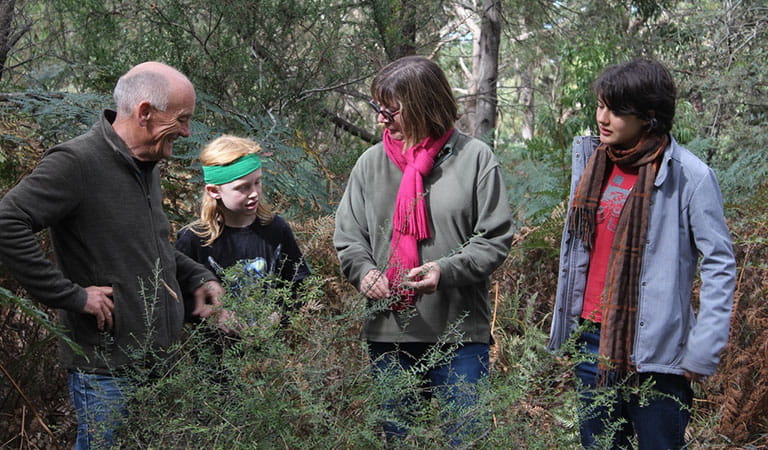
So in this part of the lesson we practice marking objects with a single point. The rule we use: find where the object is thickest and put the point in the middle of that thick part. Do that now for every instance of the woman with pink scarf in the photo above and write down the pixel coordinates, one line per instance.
(423, 223)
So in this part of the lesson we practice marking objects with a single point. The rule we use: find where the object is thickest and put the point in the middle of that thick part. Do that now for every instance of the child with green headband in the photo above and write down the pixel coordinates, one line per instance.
(235, 224)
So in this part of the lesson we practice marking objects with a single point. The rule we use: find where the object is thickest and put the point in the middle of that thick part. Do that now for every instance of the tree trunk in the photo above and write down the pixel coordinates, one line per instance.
(468, 102)
(7, 9)
(11, 29)
(527, 78)
(487, 79)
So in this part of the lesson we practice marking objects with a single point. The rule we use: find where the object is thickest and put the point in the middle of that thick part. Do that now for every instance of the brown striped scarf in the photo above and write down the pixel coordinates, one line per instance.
(620, 295)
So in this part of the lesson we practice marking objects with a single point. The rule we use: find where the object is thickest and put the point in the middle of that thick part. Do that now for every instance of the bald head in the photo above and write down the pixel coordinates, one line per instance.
(150, 81)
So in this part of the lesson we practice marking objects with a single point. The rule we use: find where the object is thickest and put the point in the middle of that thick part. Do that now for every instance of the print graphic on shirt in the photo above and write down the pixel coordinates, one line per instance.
(612, 202)
(257, 267)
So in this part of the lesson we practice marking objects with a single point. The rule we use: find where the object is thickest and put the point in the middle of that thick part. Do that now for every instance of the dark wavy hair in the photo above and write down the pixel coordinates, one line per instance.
(643, 88)
(419, 88)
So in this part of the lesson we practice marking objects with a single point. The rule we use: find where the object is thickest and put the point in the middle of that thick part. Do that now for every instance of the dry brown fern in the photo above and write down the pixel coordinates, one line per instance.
(741, 384)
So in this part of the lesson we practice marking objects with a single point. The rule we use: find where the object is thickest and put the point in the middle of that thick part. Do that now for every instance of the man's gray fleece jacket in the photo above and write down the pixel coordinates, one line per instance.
(108, 228)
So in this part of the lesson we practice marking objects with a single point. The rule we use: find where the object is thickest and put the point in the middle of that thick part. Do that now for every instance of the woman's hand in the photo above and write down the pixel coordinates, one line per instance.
(375, 285)
(423, 279)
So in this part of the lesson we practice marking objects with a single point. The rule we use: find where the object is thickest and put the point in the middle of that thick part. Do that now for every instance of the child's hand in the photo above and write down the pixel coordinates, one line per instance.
(227, 322)
(207, 299)
(275, 318)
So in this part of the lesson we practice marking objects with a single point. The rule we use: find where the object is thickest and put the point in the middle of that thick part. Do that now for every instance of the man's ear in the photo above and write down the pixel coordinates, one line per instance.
(144, 112)
(213, 190)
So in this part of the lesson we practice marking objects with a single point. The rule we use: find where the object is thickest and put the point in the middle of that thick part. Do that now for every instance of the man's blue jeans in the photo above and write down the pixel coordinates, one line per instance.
(658, 419)
(452, 382)
(99, 402)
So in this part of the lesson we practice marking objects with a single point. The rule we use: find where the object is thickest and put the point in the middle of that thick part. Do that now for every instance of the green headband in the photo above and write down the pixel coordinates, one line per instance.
(232, 171)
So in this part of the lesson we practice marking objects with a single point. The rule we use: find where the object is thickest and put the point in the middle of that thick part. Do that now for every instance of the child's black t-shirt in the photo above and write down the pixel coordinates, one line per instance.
(263, 249)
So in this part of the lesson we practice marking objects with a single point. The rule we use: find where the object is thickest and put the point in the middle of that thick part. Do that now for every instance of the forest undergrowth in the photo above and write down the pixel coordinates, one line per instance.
(306, 384)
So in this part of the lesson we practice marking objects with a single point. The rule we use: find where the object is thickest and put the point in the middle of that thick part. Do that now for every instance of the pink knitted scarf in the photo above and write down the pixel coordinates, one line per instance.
(410, 223)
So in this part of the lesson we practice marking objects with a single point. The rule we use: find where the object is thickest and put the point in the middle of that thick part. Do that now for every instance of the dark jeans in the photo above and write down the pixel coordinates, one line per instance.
(452, 382)
(99, 403)
(659, 419)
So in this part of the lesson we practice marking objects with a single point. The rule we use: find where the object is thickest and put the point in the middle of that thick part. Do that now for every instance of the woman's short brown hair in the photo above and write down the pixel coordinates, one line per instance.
(419, 88)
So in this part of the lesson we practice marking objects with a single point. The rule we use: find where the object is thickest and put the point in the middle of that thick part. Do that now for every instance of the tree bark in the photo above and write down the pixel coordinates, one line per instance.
(527, 98)
(7, 9)
(487, 79)
(468, 102)
(10, 31)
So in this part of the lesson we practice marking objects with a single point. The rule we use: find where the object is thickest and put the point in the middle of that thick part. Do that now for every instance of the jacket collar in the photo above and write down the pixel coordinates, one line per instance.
(448, 148)
(117, 143)
(670, 153)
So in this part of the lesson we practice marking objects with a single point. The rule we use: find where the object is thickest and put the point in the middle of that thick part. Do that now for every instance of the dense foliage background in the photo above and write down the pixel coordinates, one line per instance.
(294, 75)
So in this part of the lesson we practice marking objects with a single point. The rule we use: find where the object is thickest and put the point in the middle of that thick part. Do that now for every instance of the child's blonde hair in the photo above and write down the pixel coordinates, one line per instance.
(220, 152)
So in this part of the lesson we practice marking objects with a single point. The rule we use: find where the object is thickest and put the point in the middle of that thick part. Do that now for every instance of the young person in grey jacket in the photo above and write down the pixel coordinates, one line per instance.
(423, 223)
(99, 195)
(644, 212)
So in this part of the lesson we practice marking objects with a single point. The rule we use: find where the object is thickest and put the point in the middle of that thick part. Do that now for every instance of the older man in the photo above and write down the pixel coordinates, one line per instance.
(118, 280)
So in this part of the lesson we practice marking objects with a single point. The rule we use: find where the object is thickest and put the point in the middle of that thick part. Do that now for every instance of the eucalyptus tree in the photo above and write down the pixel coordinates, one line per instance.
(482, 21)
(14, 25)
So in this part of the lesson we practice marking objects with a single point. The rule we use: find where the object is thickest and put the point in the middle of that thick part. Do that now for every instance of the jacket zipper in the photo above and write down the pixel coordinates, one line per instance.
(144, 184)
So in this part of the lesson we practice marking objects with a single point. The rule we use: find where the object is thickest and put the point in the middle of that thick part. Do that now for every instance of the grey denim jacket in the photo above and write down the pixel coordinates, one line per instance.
(686, 228)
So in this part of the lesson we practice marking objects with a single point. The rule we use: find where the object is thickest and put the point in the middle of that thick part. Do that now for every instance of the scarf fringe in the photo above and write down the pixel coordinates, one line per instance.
(582, 224)
(413, 219)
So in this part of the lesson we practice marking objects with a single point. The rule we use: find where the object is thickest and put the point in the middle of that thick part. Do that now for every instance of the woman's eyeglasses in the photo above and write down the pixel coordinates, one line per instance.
(389, 116)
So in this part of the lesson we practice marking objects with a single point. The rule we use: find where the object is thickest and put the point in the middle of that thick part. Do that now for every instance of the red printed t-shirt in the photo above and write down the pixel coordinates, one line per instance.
(615, 193)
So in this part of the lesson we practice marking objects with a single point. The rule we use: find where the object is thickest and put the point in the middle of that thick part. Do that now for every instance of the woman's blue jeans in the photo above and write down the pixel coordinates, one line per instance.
(658, 419)
(100, 406)
(453, 383)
